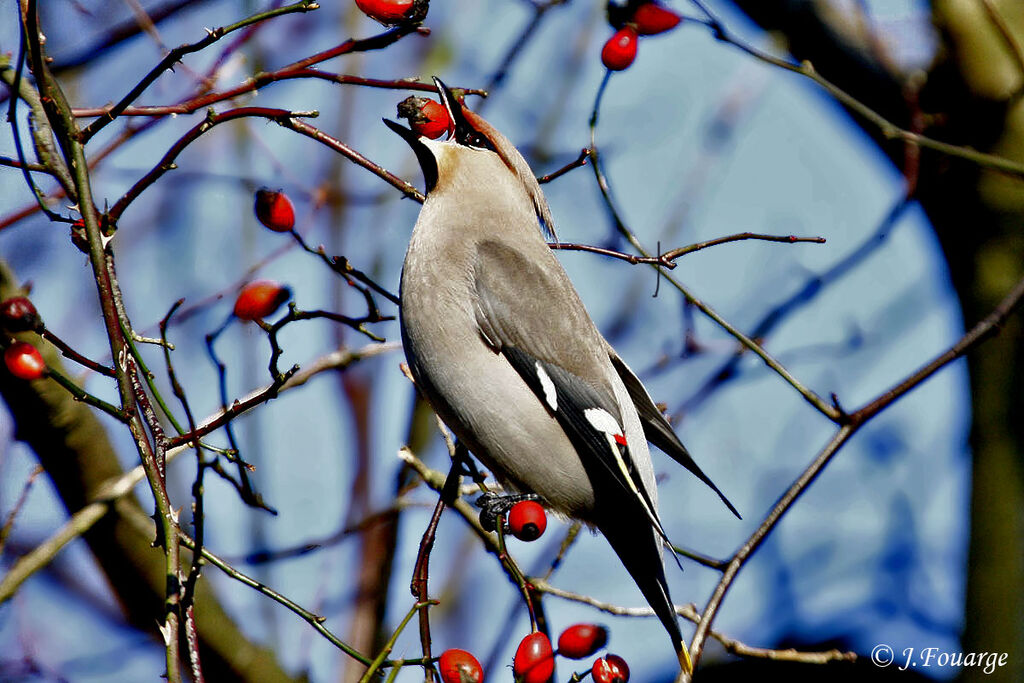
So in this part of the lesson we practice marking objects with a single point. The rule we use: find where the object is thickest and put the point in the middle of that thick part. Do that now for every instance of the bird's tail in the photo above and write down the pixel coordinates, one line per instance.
(639, 549)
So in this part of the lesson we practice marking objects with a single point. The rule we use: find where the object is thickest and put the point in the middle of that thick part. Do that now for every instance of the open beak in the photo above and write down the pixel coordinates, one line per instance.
(406, 134)
(428, 163)
(458, 129)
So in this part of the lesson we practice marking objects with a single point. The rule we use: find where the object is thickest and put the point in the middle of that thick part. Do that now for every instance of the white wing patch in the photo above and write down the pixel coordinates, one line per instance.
(601, 420)
(550, 395)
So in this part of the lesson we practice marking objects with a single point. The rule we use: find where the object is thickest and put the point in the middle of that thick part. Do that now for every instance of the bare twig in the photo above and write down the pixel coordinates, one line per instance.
(690, 613)
(175, 55)
(981, 331)
(5, 530)
(84, 519)
(668, 259)
(623, 230)
(581, 160)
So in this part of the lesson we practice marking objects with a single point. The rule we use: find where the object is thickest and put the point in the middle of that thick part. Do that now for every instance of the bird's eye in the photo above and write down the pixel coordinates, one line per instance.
(478, 140)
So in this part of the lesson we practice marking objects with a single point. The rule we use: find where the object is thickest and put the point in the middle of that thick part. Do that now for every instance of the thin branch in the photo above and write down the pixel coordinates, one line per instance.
(260, 80)
(988, 327)
(787, 239)
(668, 258)
(813, 286)
(314, 620)
(71, 354)
(622, 229)
(336, 360)
(981, 331)
(175, 55)
(690, 613)
(166, 163)
(5, 530)
(581, 160)
(84, 519)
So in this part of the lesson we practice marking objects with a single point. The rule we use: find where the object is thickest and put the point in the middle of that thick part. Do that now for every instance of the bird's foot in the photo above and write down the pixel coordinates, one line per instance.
(493, 505)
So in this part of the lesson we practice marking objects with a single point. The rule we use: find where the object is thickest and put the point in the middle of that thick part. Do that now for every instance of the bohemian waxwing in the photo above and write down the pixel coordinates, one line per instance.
(501, 346)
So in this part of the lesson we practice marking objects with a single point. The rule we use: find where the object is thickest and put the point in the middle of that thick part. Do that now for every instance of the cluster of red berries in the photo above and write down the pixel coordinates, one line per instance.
(634, 19)
(22, 359)
(395, 12)
(534, 661)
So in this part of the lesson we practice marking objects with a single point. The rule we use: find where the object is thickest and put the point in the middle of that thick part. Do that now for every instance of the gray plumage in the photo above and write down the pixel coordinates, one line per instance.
(503, 349)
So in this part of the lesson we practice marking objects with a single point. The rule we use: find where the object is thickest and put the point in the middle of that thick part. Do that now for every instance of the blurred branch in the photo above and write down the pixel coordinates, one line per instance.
(175, 55)
(1006, 34)
(622, 229)
(74, 449)
(853, 422)
(5, 530)
(689, 612)
(540, 9)
(809, 292)
(887, 128)
(314, 620)
(121, 32)
(105, 492)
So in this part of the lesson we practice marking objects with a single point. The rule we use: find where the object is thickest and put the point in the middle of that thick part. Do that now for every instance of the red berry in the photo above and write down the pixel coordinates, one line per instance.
(18, 314)
(260, 298)
(652, 18)
(459, 666)
(275, 210)
(387, 11)
(527, 521)
(610, 669)
(582, 640)
(620, 50)
(24, 361)
(427, 117)
(534, 661)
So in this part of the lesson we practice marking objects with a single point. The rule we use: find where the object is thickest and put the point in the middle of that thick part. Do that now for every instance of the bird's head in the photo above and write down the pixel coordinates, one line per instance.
(472, 144)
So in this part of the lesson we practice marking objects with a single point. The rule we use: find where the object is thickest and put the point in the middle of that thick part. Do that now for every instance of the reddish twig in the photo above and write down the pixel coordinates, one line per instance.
(260, 80)
(175, 55)
(420, 576)
(166, 163)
